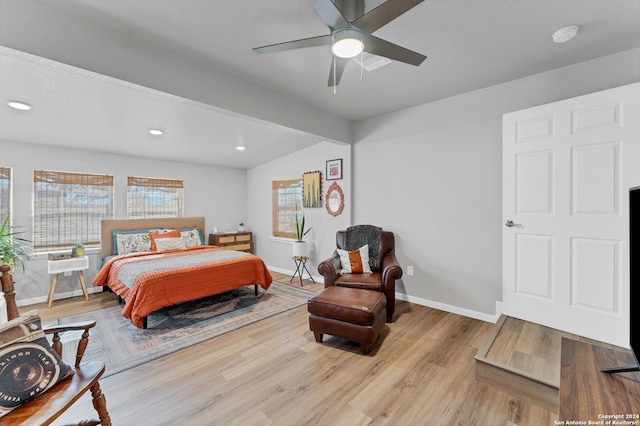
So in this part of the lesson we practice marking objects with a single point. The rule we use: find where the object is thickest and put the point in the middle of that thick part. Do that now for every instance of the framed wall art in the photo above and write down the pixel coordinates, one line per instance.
(334, 169)
(312, 189)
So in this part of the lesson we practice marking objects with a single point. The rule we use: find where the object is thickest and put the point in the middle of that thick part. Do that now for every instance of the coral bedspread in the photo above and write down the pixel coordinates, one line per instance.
(149, 281)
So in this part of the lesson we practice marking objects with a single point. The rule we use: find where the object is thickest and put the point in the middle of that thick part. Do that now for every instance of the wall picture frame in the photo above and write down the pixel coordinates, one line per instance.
(334, 169)
(312, 189)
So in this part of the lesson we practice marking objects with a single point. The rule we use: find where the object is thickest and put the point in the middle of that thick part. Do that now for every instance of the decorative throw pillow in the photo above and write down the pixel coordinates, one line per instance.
(125, 243)
(356, 261)
(28, 364)
(192, 236)
(164, 244)
(162, 233)
(140, 240)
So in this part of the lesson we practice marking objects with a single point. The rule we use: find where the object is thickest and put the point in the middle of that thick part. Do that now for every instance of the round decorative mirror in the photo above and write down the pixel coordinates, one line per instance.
(334, 200)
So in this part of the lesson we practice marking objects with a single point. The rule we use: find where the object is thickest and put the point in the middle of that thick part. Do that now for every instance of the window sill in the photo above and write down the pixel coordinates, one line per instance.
(282, 240)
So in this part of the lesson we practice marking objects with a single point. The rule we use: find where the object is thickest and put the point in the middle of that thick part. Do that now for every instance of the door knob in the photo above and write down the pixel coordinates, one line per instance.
(510, 224)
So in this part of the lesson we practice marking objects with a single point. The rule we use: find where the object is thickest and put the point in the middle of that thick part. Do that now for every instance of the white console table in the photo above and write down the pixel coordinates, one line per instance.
(56, 267)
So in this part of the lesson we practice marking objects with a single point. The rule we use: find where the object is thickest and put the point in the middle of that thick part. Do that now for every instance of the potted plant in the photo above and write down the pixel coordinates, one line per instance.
(241, 227)
(300, 248)
(13, 249)
(77, 250)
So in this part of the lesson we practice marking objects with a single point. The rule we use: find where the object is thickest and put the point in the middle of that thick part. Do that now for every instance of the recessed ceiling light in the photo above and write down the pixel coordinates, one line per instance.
(156, 132)
(565, 34)
(241, 147)
(19, 105)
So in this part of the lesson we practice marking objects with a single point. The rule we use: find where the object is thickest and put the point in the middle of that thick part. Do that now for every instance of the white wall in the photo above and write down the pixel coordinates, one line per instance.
(277, 252)
(432, 175)
(217, 193)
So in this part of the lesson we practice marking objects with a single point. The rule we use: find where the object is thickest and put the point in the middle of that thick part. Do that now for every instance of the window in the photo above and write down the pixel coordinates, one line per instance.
(150, 197)
(5, 193)
(68, 208)
(287, 197)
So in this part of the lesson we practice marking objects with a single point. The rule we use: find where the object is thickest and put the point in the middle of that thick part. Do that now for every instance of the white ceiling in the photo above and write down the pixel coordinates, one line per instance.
(470, 44)
(74, 108)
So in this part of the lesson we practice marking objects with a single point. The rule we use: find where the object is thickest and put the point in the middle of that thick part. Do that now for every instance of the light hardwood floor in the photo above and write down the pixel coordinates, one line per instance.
(526, 346)
(420, 372)
(523, 359)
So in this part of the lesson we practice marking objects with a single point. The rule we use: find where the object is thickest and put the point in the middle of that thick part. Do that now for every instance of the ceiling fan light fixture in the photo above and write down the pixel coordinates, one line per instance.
(347, 43)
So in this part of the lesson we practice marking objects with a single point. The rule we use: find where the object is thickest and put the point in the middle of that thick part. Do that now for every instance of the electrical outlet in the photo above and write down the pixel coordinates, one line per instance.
(410, 271)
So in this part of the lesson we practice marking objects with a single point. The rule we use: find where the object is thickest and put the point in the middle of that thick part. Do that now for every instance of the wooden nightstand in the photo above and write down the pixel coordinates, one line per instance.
(240, 241)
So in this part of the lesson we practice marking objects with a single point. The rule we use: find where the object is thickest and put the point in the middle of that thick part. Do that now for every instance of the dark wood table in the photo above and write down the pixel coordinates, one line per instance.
(589, 395)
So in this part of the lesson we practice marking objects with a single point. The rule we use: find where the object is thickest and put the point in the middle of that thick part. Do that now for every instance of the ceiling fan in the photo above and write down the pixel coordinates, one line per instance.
(351, 31)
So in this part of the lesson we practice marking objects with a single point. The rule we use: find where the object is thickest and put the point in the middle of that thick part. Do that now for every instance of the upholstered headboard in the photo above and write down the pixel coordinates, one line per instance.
(107, 226)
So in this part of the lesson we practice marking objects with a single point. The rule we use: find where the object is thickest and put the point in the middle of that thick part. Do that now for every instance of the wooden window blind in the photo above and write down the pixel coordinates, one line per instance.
(68, 208)
(5, 193)
(152, 197)
(287, 197)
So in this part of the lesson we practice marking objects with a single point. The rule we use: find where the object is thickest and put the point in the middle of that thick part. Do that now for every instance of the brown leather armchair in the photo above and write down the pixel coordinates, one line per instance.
(382, 279)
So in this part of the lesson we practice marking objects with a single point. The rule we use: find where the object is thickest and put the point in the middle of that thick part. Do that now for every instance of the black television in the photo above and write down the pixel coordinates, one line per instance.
(634, 282)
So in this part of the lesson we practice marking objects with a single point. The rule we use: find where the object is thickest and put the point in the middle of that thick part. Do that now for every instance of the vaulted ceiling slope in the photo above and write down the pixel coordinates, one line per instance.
(201, 51)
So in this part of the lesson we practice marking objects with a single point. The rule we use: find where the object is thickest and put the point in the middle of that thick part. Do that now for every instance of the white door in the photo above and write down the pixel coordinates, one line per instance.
(567, 170)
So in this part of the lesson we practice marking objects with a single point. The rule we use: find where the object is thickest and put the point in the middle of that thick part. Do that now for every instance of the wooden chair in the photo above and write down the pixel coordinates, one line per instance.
(47, 407)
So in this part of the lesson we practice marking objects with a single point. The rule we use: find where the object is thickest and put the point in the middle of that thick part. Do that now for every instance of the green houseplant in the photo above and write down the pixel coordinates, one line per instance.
(13, 248)
(77, 250)
(300, 232)
(300, 248)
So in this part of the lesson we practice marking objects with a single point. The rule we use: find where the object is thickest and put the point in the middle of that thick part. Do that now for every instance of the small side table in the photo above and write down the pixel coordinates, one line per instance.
(301, 266)
(77, 264)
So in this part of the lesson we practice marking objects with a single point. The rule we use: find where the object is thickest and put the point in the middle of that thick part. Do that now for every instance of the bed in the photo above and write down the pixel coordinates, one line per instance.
(148, 280)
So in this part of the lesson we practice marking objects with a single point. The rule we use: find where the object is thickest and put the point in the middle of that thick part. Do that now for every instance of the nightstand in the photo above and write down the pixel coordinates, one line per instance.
(240, 241)
(77, 264)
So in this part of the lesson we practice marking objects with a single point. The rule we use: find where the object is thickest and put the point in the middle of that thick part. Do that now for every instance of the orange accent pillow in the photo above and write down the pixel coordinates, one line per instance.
(356, 261)
(162, 233)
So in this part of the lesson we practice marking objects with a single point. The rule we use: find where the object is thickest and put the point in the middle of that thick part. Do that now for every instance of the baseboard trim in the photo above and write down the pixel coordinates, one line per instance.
(482, 316)
(419, 301)
(318, 279)
(57, 296)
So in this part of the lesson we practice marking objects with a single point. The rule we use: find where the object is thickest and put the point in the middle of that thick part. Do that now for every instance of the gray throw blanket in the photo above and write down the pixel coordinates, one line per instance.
(359, 235)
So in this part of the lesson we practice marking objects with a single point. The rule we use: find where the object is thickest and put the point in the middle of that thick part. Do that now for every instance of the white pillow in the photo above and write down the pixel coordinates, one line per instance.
(164, 244)
(356, 261)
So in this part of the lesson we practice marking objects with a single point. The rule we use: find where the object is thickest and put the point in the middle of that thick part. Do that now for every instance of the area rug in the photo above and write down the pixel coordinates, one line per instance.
(122, 346)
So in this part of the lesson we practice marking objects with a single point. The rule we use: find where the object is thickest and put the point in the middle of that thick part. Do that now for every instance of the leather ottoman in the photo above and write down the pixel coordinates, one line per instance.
(351, 313)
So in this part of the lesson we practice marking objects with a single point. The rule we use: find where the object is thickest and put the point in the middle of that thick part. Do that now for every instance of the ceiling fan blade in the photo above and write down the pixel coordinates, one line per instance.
(380, 47)
(324, 40)
(340, 64)
(329, 13)
(350, 9)
(383, 14)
